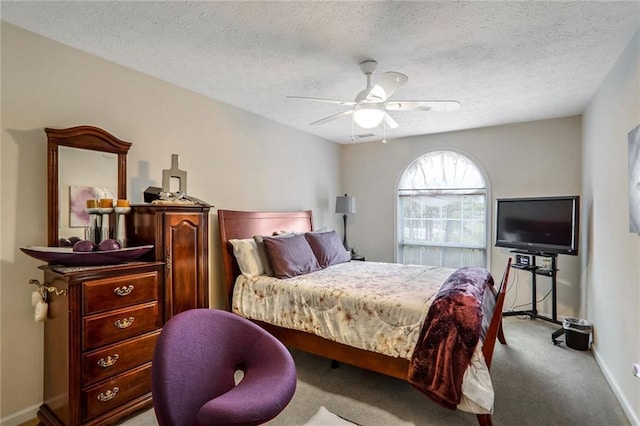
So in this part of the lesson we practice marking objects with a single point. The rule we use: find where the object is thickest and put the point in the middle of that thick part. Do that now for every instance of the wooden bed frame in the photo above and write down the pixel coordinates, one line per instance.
(242, 224)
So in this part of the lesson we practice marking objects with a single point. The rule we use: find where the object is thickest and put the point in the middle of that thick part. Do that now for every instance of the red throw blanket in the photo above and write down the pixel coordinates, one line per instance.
(450, 333)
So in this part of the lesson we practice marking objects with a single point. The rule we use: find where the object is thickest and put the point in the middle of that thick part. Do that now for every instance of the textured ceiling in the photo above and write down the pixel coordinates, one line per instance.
(504, 62)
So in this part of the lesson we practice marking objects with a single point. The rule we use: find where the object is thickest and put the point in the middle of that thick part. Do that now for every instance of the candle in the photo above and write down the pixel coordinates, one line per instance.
(92, 204)
(106, 202)
(122, 203)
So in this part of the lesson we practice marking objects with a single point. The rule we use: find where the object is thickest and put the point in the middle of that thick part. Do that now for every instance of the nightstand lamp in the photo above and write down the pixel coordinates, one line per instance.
(346, 205)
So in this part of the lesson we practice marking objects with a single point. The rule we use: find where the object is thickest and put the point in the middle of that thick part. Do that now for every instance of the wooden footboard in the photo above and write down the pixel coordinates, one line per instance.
(395, 367)
(239, 225)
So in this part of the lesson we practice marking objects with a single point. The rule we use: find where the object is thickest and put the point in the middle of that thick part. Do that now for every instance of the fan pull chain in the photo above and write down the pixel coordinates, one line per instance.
(384, 131)
(353, 135)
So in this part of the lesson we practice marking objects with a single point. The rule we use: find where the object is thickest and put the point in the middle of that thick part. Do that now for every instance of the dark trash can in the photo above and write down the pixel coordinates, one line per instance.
(577, 333)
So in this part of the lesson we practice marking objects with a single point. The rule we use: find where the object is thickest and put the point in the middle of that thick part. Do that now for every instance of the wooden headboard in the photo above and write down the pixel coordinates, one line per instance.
(240, 224)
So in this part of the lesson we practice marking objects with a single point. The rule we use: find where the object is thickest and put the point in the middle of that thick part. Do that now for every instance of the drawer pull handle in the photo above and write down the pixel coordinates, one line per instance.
(124, 322)
(124, 290)
(108, 361)
(108, 395)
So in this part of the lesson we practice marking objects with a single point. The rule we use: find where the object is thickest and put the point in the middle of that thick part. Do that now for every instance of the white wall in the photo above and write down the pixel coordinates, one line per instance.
(528, 159)
(611, 274)
(234, 160)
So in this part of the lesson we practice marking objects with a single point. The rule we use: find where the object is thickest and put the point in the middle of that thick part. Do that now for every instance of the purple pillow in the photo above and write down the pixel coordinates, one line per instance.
(290, 256)
(327, 248)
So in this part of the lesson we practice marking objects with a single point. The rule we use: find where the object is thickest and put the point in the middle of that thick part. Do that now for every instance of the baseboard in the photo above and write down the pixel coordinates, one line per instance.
(626, 407)
(21, 416)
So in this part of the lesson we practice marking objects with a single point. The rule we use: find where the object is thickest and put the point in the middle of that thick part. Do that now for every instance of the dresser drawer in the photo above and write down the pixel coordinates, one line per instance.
(115, 359)
(121, 389)
(117, 292)
(103, 329)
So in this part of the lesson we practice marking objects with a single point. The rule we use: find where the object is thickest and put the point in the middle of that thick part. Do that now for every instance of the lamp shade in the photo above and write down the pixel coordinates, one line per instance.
(346, 204)
(368, 115)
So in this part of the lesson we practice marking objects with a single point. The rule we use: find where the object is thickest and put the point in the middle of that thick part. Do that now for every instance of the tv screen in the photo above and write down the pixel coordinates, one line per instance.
(538, 225)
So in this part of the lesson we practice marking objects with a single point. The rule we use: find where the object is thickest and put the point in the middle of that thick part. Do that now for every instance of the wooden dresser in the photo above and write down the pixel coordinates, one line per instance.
(99, 336)
(180, 235)
(99, 340)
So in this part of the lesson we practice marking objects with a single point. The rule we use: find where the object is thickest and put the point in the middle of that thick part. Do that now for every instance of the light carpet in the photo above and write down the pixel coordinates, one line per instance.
(536, 383)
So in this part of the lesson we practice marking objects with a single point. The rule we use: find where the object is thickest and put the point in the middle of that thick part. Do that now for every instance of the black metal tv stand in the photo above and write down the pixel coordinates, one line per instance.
(535, 271)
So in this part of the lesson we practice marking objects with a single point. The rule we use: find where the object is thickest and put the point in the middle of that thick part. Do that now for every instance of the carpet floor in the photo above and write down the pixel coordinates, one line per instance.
(535, 383)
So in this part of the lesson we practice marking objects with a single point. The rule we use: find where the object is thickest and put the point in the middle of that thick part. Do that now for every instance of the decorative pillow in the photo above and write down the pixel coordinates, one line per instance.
(262, 253)
(327, 248)
(262, 250)
(247, 256)
(290, 256)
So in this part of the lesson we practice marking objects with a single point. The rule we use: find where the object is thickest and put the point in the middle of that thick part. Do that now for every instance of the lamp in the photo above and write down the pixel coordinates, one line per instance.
(345, 205)
(368, 115)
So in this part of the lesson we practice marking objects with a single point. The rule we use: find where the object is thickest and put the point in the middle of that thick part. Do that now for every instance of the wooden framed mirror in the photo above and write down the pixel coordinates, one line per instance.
(80, 158)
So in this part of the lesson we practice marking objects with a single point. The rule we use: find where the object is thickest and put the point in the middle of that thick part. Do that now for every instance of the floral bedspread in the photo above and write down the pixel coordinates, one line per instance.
(373, 306)
(378, 307)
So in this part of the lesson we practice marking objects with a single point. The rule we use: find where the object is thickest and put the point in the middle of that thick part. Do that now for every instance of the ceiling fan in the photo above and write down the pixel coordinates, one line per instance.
(370, 106)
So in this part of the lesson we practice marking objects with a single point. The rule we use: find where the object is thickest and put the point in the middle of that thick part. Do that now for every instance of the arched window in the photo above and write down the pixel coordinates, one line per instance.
(442, 212)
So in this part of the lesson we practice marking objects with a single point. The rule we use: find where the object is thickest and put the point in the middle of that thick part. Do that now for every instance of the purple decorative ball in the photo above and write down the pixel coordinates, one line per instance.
(84, 245)
(109, 245)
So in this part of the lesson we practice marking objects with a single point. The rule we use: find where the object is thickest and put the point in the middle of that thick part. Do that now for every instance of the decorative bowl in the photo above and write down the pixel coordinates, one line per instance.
(66, 255)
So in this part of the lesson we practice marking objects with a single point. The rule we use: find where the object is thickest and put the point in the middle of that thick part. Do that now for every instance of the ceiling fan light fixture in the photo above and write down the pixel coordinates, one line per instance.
(371, 105)
(368, 116)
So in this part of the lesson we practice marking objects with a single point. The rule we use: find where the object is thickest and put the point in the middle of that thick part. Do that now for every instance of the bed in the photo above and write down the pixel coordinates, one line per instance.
(239, 225)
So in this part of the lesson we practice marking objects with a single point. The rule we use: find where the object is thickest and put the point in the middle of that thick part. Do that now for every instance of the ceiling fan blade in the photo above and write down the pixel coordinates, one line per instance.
(331, 101)
(386, 86)
(443, 106)
(390, 122)
(332, 117)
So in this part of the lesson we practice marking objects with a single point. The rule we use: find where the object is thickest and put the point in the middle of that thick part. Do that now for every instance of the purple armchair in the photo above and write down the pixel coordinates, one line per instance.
(195, 359)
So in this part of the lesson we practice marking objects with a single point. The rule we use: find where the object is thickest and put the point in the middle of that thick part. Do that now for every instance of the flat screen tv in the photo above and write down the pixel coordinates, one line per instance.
(539, 225)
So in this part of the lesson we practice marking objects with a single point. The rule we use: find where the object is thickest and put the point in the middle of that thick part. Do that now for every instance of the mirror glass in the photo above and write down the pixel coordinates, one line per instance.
(84, 162)
(82, 175)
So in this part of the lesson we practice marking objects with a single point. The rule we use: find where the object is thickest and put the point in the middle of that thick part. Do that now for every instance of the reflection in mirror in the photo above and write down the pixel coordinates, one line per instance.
(84, 162)
(82, 175)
